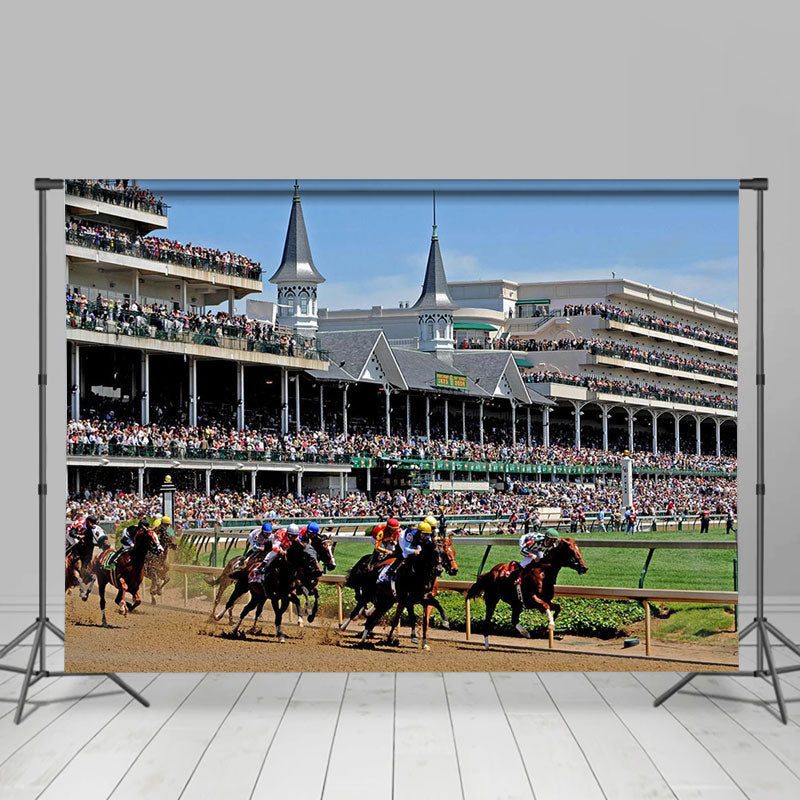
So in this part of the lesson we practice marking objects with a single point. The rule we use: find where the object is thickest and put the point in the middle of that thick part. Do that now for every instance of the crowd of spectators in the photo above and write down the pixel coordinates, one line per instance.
(628, 388)
(111, 437)
(629, 352)
(673, 327)
(672, 496)
(106, 237)
(134, 318)
(119, 192)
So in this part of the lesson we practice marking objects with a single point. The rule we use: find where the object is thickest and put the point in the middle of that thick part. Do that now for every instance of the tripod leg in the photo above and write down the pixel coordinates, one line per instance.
(747, 628)
(776, 679)
(17, 639)
(129, 689)
(676, 688)
(54, 629)
(795, 648)
(26, 681)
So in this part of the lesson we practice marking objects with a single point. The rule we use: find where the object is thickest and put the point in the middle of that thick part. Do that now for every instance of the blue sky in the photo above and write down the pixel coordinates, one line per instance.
(370, 238)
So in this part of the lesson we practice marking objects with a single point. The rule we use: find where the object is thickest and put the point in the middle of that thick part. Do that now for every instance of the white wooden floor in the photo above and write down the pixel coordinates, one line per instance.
(419, 736)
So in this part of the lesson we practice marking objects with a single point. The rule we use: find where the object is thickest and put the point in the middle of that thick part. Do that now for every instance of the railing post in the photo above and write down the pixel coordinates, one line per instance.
(339, 603)
(646, 627)
(467, 616)
(185, 589)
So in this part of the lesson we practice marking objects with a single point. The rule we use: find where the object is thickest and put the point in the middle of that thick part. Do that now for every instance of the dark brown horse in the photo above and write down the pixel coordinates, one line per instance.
(77, 564)
(128, 574)
(323, 548)
(537, 585)
(156, 566)
(280, 580)
(447, 554)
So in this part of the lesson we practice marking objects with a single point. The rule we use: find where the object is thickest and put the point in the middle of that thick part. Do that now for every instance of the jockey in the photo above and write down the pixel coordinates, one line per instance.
(531, 547)
(258, 539)
(86, 527)
(278, 543)
(162, 525)
(433, 523)
(385, 536)
(307, 531)
(126, 542)
(410, 545)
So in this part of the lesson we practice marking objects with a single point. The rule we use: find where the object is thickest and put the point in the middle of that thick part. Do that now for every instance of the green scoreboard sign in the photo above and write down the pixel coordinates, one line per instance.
(448, 381)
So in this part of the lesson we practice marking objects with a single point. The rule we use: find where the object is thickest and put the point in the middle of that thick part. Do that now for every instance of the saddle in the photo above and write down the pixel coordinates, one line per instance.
(512, 568)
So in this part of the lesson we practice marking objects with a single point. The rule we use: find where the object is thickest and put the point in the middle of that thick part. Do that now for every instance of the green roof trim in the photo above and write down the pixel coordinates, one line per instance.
(473, 326)
(543, 302)
(523, 362)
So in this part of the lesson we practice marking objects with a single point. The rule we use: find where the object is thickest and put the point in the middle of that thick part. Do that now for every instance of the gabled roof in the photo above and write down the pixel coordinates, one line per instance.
(350, 352)
(419, 370)
(489, 367)
(297, 263)
(435, 293)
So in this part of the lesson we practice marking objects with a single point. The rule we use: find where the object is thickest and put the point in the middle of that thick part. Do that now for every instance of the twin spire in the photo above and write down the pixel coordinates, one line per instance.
(435, 293)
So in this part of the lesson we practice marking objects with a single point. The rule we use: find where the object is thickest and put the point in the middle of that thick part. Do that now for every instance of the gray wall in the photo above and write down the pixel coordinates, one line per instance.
(616, 90)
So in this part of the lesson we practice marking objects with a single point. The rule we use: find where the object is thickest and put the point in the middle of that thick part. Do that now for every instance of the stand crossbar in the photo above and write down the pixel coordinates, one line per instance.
(38, 629)
(765, 662)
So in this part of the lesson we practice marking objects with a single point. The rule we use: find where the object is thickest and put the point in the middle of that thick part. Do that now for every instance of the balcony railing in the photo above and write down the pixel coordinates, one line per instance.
(231, 337)
(108, 244)
(202, 453)
(130, 196)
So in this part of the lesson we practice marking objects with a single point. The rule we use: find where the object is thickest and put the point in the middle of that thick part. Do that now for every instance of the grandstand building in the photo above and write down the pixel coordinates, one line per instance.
(603, 364)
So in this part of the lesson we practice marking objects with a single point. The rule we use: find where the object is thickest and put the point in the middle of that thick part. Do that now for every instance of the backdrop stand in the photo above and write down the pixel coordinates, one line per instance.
(39, 628)
(760, 624)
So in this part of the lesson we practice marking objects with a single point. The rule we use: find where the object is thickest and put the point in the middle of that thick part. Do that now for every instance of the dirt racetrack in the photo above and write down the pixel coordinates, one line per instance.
(168, 638)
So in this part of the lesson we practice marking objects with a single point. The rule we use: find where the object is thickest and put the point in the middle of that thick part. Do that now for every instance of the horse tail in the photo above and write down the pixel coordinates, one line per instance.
(480, 585)
(213, 581)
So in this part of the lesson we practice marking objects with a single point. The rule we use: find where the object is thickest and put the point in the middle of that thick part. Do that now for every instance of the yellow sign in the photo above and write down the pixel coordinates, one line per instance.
(448, 381)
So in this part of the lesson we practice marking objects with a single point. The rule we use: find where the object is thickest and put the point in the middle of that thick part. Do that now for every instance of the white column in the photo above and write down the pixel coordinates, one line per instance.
(655, 415)
(718, 426)
(369, 480)
(321, 407)
(604, 415)
(344, 409)
(513, 422)
(75, 389)
(184, 296)
(677, 417)
(208, 481)
(577, 405)
(428, 417)
(140, 476)
(284, 401)
(463, 420)
(145, 388)
(297, 402)
(408, 415)
(240, 396)
(192, 391)
(136, 296)
(630, 428)
(546, 426)
(528, 427)
(231, 298)
(697, 446)
(299, 487)
(446, 420)
(342, 487)
(253, 477)
(388, 392)
(480, 420)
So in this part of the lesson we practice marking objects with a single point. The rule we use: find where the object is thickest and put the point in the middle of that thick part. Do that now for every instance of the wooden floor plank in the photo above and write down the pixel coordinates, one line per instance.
(490, 763)
(361, 756)
(424, 747)
(532, 716)
(296, 763)
(622, 767)
(744, 758)
(243, 738)
(689, 769)
(122, 740)
(165, 764)
(37, 762)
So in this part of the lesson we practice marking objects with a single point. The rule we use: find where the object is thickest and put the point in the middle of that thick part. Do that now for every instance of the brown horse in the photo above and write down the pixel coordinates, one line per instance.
(447, 555)
(156, 567)
(128, 574)
(77, 564)
(537, 585)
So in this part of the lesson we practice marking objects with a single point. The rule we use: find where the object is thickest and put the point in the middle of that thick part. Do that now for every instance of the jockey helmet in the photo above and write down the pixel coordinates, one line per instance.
(393, 523)
(313, 527)
(91, 521)
(293, 530)
(165, 520)
(432, 521)
(266, 527)
(424, 527)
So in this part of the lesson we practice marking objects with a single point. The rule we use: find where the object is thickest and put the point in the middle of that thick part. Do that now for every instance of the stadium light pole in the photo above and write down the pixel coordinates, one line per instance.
(759, 624)
(38, 629)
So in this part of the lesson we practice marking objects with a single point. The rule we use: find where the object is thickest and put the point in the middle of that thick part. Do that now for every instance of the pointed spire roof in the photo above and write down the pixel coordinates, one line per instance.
(297, 263)
(435, 293)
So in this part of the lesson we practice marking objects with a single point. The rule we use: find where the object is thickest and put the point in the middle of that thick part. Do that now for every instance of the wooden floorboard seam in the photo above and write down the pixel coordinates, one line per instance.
(333, 735)
(453, 734)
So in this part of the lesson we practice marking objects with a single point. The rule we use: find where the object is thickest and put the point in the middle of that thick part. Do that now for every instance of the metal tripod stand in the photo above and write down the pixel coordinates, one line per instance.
(42, 625)
(760, 624)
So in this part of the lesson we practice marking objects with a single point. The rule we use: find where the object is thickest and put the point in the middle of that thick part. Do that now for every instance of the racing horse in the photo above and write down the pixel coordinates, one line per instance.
(77, 565)
(282, 578)
(156, 568)
(537, 586)
(128, 573)
(414, 582)
(323, 548)
(447, 554)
